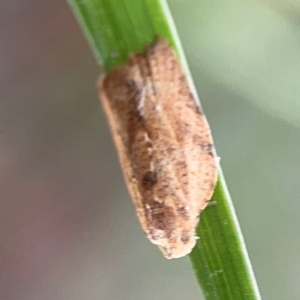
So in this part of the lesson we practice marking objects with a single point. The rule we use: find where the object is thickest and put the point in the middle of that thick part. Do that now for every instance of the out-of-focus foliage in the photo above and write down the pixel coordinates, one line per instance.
(252, 48)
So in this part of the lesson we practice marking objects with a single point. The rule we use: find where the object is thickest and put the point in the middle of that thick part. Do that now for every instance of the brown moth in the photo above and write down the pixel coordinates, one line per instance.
(164, 145)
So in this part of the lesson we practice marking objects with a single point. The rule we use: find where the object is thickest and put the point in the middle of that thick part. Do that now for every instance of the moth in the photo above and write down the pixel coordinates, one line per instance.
(164, 145)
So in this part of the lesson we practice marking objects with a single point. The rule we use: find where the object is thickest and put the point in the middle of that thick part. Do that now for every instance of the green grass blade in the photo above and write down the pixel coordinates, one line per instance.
(220, 258)
(116, 28)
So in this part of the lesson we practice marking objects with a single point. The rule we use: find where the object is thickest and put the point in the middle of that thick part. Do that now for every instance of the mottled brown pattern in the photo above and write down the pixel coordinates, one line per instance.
(164, 145)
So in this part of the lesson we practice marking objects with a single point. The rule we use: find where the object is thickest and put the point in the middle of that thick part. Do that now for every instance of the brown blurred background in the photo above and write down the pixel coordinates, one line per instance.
(67, 227)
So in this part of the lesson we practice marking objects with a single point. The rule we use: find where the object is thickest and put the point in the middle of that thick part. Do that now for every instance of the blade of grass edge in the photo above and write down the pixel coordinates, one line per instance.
(116, 28)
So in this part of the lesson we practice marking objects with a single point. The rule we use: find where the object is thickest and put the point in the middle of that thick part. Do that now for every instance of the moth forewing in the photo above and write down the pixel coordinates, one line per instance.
(164, 145)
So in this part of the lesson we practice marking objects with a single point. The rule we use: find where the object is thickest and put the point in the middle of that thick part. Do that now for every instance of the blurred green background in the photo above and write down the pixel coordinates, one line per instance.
(67, 227)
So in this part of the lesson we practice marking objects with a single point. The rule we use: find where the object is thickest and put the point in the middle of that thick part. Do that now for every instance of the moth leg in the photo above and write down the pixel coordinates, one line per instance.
(210, 202)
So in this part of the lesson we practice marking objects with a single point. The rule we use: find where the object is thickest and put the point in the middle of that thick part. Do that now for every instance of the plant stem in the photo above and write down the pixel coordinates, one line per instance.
(116, 28)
